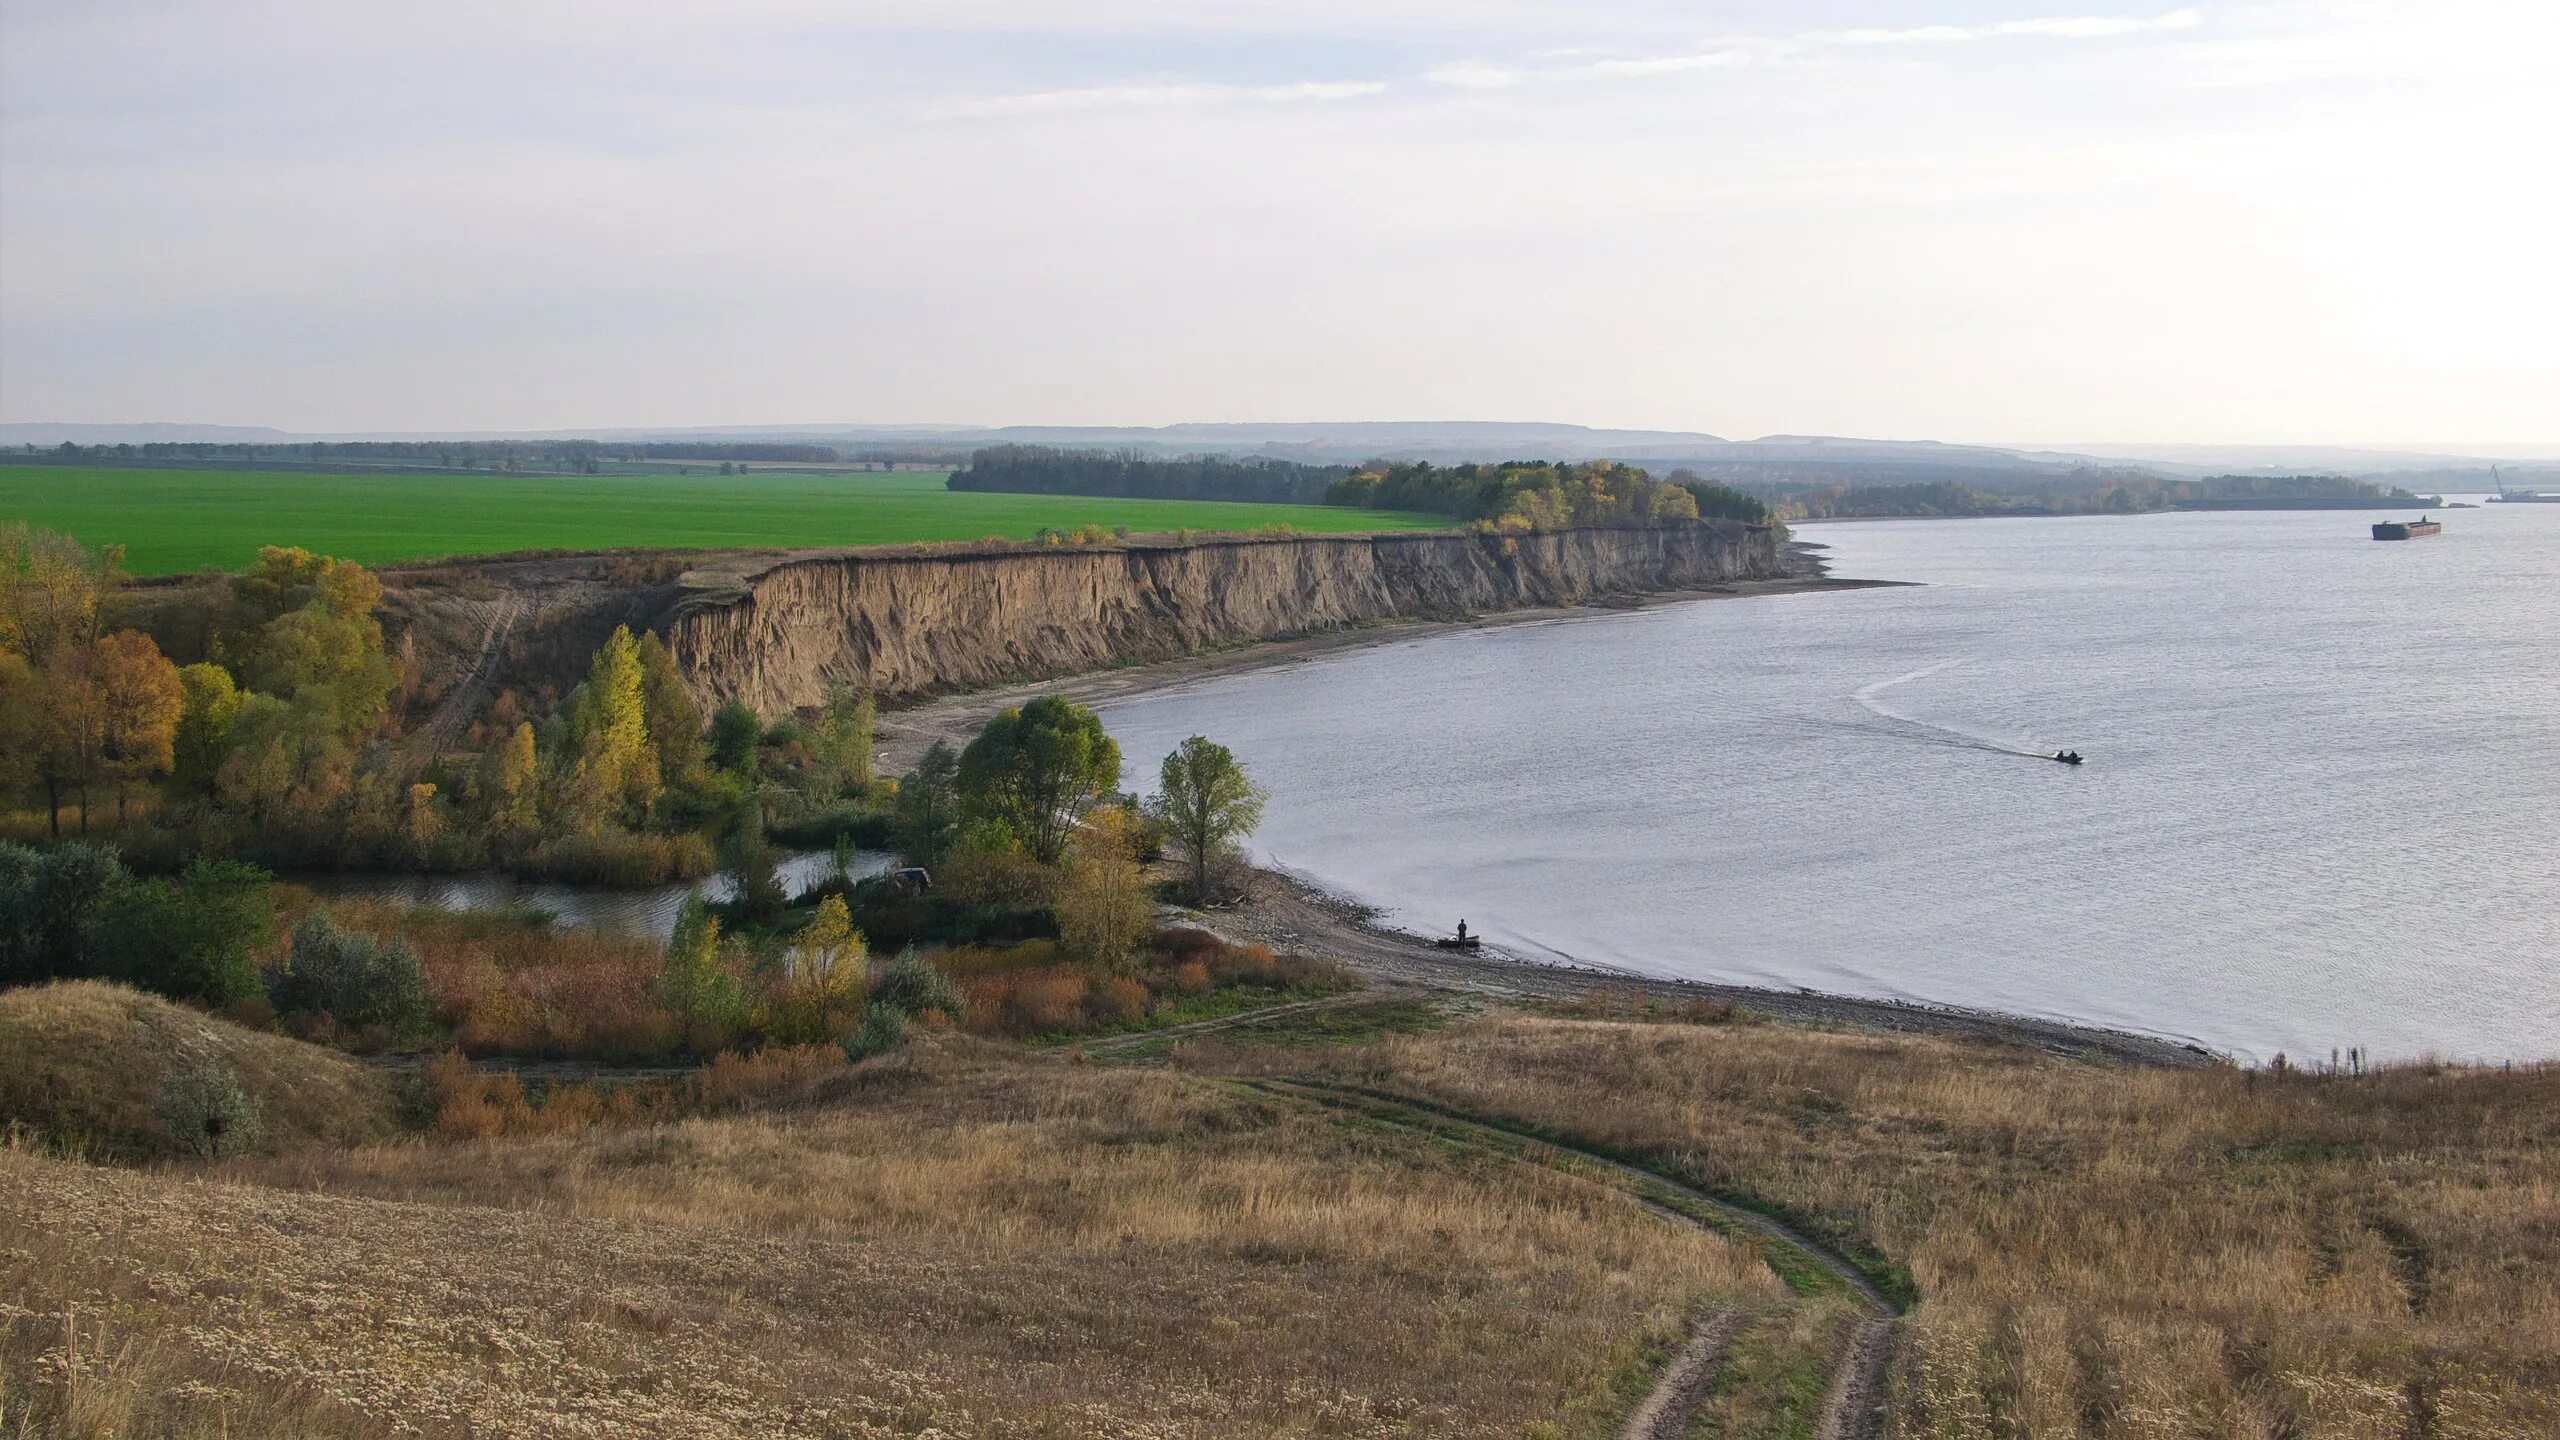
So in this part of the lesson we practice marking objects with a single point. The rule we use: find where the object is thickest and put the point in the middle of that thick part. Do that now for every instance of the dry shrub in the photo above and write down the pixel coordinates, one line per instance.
(1030, 989)
(1120, 998)
(469, 1103)
(734, 1082)
(1046, 1002)
(509, 985)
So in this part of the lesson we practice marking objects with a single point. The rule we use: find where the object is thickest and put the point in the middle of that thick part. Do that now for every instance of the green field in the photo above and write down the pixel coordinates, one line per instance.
(173, 521)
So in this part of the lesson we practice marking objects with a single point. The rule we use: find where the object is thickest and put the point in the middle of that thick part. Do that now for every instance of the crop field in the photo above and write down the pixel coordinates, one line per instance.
(174, 521)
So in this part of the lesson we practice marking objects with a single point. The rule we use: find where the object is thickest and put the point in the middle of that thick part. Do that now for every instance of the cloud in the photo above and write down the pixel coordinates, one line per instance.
(1156, 95)
(1671, 64)
(2063, 27)
(1487, 75)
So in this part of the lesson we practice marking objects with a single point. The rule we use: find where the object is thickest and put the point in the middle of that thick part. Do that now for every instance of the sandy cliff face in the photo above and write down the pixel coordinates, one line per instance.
(906, 624)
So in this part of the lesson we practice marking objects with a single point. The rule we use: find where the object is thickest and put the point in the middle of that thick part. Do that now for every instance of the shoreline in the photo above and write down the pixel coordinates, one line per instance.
(908, 728)
(1284, 911)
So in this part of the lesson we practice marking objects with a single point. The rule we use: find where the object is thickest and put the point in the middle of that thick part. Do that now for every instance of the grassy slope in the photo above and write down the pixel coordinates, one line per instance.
(81, 1061)
(969, 1240)
(173, 521)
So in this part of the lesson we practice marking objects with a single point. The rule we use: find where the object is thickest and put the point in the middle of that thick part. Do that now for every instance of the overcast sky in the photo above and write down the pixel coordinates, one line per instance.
(2328, 222)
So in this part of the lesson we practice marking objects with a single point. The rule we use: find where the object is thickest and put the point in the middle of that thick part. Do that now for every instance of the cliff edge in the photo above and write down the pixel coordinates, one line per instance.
(908, 624)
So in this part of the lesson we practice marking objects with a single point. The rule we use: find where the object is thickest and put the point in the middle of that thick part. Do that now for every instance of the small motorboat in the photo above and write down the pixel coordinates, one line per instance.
(1460, 941)
(2067, 757)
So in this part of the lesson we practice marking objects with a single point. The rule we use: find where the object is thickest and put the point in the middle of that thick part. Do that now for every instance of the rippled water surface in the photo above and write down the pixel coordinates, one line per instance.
(2321, 809)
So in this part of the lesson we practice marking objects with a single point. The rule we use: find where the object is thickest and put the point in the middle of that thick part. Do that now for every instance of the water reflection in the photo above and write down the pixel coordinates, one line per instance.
(648, 912)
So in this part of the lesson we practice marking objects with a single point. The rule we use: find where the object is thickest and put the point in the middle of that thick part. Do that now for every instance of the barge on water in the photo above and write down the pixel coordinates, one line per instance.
(2407, 529)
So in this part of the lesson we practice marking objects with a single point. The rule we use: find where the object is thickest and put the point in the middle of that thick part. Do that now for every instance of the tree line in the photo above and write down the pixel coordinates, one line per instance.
(1544, 494)
(574, 455)
(2097, 493)
(1513, 495)
(1050, 470)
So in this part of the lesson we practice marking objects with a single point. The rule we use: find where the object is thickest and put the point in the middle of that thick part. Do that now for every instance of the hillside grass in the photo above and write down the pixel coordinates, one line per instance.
(176, 521)
(81, 1063)
(967, 1240)
(2096, 1252)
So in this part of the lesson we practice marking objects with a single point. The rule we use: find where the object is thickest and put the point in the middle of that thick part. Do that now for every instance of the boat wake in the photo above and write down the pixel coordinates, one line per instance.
(1929, 732)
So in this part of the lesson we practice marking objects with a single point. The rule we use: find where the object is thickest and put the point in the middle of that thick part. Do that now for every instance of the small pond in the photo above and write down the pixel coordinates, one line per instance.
(649, 911)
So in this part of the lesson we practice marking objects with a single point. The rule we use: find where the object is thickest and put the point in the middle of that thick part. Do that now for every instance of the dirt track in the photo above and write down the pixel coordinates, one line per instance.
(1856, 1390)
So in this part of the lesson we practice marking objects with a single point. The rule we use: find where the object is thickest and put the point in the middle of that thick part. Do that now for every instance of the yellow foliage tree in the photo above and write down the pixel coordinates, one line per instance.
(139, 698)
(1103, 906)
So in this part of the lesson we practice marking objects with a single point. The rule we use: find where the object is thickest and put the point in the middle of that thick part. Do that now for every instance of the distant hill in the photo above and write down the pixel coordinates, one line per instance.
(1775, 459)
(46, 435)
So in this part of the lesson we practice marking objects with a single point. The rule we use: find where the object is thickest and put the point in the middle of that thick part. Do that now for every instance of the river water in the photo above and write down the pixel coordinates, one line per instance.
(2321, 807)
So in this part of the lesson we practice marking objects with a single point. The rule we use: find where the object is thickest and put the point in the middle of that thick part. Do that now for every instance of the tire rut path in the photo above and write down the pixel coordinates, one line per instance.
(1855, 1394)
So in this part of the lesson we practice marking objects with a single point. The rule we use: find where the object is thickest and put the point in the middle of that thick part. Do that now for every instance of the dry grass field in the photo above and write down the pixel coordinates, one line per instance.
(968, 1241)
(2097, 1252)
(1293, 1230)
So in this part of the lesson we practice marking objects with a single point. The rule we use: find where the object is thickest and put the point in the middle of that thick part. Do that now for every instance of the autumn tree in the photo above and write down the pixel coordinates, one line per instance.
(1035, 770)
(510, 784)
(823, 970)
(1207, 805)
(323, 652)
(1102, 904)
(616, 769)
(52, 594)
(139, 699)
(52, 591)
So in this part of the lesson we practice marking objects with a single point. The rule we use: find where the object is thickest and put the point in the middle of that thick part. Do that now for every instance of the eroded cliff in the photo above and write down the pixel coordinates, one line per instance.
(905, 624)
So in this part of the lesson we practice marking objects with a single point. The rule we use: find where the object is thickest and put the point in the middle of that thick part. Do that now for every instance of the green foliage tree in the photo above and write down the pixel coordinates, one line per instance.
(735, 731)
(756, 896)
(1036, 770)
(697, 985)
(323, 652)
(883, 1030)
(354, 979)
(840, 742)
(196, 939)
(928, 804)
(1207, 805)
(209, 706)
(674, 720)
(50, 900)
(914, 985)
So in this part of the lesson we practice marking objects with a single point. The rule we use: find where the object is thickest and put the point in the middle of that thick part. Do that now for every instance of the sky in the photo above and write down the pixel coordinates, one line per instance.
(2075, 220)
